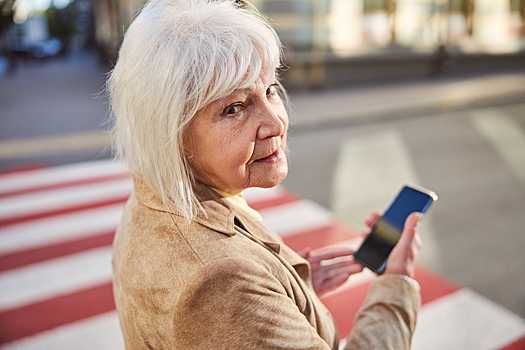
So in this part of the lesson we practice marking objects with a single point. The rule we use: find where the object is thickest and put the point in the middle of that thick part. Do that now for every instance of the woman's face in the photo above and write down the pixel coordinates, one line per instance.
(239, 141)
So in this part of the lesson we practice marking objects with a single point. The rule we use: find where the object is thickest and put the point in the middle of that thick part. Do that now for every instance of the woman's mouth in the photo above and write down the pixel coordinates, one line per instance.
(272, 158)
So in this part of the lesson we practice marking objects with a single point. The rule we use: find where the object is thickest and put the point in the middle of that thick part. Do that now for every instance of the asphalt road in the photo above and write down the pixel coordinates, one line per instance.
(349, 150)
(474, 160)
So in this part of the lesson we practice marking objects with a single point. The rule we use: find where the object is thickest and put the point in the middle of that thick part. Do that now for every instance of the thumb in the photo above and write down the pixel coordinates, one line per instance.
(411, 226)
(403, 255)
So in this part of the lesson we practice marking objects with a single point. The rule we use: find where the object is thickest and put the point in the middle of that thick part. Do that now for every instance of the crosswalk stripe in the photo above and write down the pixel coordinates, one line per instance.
(519, 344)
(360, 186)
(54, 202)
(40, 281)
(261, 204)
(21, 285)
(318, 237)
(16, 183)
(57, 311)
(55, 271)
(255, 194)
(345, 301)
(66, 227)
(291, 218)
(52, 251)
(505, 135)
(466, 320)
(101, 332)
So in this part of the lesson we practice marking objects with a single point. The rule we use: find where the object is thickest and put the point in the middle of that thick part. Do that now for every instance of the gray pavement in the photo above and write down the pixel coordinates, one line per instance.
(473, 159)
(379, 102)
(349, 150)
(44, 99)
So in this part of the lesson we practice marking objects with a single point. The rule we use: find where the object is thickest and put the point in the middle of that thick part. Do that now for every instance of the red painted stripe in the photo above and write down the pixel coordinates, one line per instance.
(35, 318)
(48, 314)
(321, 237)
(285, 197)
(517, 345)
(69, 209)
(65, 184)
(52, 251)
(433, 285)
(345, 305)
(23, 168)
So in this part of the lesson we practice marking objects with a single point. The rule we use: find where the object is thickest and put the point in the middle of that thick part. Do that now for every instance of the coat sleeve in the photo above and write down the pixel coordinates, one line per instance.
(235, 303)
(387, 318)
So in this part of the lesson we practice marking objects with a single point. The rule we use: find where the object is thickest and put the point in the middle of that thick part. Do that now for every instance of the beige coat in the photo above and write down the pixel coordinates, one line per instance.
(225, 282)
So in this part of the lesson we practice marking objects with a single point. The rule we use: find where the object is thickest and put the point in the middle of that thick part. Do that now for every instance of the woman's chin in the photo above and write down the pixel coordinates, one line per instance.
(267, 178)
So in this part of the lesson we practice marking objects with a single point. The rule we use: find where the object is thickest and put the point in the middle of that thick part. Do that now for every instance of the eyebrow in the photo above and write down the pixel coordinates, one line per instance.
(248, 90)
(245, 90)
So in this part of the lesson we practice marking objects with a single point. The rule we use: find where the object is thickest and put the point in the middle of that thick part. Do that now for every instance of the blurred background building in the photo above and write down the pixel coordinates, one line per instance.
(332, 42)
(327, 42)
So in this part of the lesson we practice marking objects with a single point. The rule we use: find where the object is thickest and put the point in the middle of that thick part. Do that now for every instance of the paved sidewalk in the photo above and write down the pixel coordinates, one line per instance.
(379, 102)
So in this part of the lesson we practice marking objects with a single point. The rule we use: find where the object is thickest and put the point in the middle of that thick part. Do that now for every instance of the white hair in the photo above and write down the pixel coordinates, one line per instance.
(177, 57)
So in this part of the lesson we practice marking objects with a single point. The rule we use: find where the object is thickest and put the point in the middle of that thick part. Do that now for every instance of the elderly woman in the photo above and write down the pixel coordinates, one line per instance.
(198, 119)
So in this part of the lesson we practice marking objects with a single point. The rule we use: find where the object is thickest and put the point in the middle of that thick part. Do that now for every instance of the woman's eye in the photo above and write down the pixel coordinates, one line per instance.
(272, 90)
(233, 109)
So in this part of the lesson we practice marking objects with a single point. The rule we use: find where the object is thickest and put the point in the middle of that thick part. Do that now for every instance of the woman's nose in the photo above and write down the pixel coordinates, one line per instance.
(272, 124)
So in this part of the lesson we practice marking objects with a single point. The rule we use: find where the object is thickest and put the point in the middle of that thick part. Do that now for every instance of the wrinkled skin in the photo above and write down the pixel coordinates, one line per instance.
(239, 141)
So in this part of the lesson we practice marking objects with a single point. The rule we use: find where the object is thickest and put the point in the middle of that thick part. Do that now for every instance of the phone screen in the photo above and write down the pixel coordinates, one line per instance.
(385, 233)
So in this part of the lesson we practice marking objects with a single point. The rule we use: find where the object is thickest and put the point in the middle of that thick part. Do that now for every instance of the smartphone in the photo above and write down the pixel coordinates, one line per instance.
(385, 233)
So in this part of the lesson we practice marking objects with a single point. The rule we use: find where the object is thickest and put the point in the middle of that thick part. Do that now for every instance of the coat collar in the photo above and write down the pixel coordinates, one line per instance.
(220, 216)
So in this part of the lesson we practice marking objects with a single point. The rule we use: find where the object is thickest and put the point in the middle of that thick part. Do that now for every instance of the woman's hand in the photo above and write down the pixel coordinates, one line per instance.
(332, 266)
(402, 259)
(328, 274)
(403, 256)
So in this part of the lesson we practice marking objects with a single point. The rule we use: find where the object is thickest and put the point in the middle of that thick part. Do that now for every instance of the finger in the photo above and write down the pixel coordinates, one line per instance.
(329, 253)
(411, 226)
(336, 279)
(338, 262)
(335, 271)
(374, 215)
(403, 255)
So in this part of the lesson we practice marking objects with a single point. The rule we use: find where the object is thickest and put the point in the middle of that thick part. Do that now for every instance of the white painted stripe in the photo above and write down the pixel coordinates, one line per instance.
(505, 135)
(60, 228)
(101, 332)
(64, 197)
(342, 343)
(262, 194)
(466, 320)
(56, 175)
(54, 277)
(371, 169)
(292, 218)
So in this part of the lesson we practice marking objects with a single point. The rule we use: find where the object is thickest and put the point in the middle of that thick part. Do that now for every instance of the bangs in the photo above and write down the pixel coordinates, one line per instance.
(240, 69)
(232, 60)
